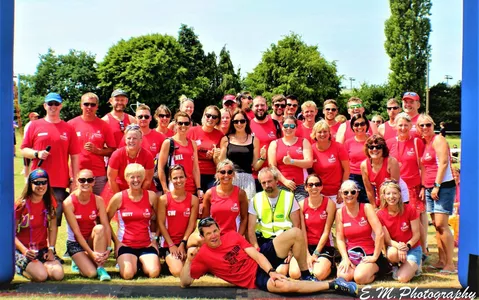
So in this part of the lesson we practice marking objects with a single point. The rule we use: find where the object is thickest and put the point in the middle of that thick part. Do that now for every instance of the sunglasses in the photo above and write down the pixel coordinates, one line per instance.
(146, 117)
(53, 103)
(291, 104)
(161, 116)
(393, 107)
(426, 125)
(353, 192)
(378, 147)
(241, 121)
(187, 123)
(331, 109)
(292, 126)
(88, 104)
(210, 116)
(410, 94)
(277, 105)
(355, 106)
(83, 180)
(316, 184)
(40, 182)
(122, 126)
(223, 172)
(360, 124)
(228, 104)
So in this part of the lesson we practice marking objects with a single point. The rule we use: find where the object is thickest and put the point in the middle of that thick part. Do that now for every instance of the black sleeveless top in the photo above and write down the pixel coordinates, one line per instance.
(241, 156)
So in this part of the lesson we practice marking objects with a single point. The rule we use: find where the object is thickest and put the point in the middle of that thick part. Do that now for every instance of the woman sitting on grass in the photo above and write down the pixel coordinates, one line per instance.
(87, 241)
(401, 232)
(135, 208)
(177, 214)
(36, 234)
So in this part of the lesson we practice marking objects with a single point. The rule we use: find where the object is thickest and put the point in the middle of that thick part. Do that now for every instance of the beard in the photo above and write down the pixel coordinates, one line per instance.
(260, 115)
(269, 190)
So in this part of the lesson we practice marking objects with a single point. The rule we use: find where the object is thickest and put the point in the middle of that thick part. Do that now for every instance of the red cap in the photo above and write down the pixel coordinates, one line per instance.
(411, 95)
(227, 98)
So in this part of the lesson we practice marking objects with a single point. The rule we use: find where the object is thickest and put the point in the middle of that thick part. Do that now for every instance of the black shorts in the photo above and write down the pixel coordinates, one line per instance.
(21, 261)
(267, 249)
(327, 252)
(164, 251)
(73, 247)
(383, 264)
(137, 251)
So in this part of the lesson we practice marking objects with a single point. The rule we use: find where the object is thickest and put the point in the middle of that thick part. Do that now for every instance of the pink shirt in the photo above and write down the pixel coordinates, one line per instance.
(85, 215)
(333, 130)
(151, 142)
(356, 154)
(399, 226)
(357, 231)
(226, 210)
(389, 132)
(297, 174)
(327, 164)
(430, 162)
(315, 221)
(407, 157)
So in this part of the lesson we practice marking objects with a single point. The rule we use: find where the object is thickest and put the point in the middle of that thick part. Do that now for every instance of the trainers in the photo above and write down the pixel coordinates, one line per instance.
(103, 274)
(309, 278)
(395, 272)
(345, 287)
(75, 268)
(418, 271)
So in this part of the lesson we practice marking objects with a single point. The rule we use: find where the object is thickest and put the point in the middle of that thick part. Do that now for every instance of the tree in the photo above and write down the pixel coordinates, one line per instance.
(229, 80)
(445, 105)
(407, 44)
(374, 98)
(292, 67)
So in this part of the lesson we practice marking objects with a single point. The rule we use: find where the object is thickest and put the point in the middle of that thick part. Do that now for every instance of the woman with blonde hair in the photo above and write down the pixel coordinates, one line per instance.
(187, 105)
(225, 122)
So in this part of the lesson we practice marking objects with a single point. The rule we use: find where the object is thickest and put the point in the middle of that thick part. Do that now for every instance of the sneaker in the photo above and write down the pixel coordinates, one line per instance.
(75, 268)
(309, 278)
(345, 287)
(395, 272)
(103, 274)
(418, 271)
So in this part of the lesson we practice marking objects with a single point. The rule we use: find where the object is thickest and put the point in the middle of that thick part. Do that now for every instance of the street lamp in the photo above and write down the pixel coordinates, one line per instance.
(447, 77)
(351, 79)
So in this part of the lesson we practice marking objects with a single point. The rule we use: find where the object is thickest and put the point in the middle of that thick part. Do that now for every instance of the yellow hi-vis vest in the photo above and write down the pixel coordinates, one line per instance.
(271, 222)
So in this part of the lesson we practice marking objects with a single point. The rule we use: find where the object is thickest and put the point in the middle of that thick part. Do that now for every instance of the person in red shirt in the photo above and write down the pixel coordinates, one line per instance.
(330, 161)
(291, 155)
(361, 257)
(187, 105)
(278, 105)
(411, 102)
(317, 217)
(207, 140)
(62, 139)
(388, 129)
(225, 122)
(87, 241)
(118, 119)
(345, 130)
(309, 111)
(163, 117)
(231, 258)
(26, 161)
(229, 103)
(225, 202)
(36, 230)
(135, 207)
(244, 101)
(330, 111)
(177, 215)
(401, 232)
(95, 138)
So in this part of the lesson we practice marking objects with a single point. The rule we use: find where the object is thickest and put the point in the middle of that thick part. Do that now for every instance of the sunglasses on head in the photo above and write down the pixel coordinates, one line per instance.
(331, 109)
(393, 107)
(353, 192)
(241, 121)
(89, 104)
(206, 221)
(426, 125)
(316, 184)
(277, 105)
(292, 104)
(210, 116)
(140, 117)
(223, 172)
(353, 106)
(292, 126)
(53, 103)
(40, 182)
(133, 127)
(378, 147)
(83, 180)
(161, 116)
(410, 94)
(360, 124)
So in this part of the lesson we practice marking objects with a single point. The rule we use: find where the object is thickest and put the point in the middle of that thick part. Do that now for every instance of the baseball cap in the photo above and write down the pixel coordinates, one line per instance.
(227, 98)
(32, 114)
(53, 97)
(119, 92)
(411, 95)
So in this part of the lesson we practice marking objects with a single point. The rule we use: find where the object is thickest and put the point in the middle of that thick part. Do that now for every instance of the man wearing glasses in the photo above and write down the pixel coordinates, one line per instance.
(388, 129)
(229, 103)
(245, 100)
(63, 145)
(279, 106)
(330, 111)
(411, 102)
(355, 106)
(95, 138)
(117, 118)
(231, 258)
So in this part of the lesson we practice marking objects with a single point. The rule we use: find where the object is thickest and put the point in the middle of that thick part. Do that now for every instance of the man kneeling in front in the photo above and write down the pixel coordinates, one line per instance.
(231, 258)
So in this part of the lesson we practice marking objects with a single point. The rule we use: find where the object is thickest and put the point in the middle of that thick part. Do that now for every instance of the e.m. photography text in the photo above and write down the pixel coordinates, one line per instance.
(406, 292)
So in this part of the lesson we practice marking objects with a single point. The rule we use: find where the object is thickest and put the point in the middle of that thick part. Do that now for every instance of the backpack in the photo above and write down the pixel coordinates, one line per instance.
(156, 177)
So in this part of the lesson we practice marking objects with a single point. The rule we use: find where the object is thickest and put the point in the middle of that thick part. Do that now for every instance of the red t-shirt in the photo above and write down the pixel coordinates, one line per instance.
(327, 164)
(297, 174)
(229, 261)
(97, 132)
(357, 231)
(414, 131)
(226, 210)
(265, 133)
(405, 153)
(177, 218)
(250, 115)
(356, 154)
(399, 226)
(116, 127)
(204, 143)
(389, 132)
(120, 159)
(63, 141)
(151, 142)
(134, 221)
(86, 215)
(315, 221)
(35, 216)
(306, 133)
(185, 156)
(333, 130)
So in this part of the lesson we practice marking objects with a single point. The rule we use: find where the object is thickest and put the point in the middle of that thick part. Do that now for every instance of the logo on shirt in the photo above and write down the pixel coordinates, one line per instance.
(78, 217)
(64, 136)
(179, 157)
(411, 152)
(363, 222)
(332, 159)
(271, 135)
(323, 215)
(153, 147)
(146, 214)
(171, 213)
(299, 150)
(428, 156)
(306, 216)
(93, 215)
(187, 213)
(127, 214)
(42, 133)
(235, 208)
(404, 226)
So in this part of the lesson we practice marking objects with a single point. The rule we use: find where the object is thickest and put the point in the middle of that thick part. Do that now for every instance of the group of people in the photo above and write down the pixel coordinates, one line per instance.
(268, 187)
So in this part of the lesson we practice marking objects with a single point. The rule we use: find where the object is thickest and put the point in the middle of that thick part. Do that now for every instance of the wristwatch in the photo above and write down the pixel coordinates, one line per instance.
(409, 246)
(317, 253)
(271, 270)
(36, 154)
(438, 185)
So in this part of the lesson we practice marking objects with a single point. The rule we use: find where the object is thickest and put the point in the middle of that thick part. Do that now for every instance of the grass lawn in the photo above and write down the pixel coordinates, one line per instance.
(428, 279)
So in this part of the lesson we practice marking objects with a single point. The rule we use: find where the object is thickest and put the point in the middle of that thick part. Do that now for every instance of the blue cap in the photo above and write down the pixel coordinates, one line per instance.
(53, 97)
(38, 173)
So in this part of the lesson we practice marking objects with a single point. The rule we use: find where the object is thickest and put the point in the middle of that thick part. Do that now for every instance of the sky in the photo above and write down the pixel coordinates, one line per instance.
(350, 32)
